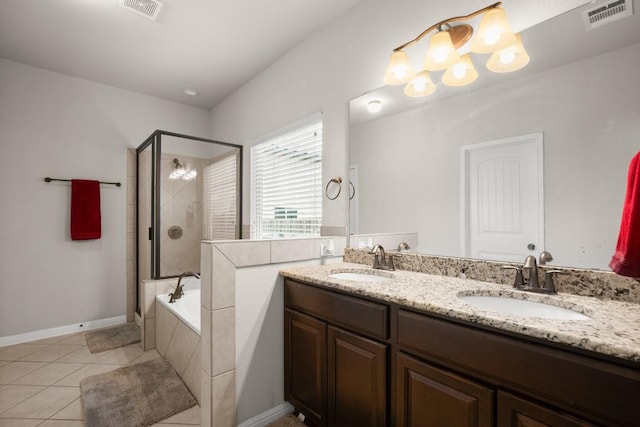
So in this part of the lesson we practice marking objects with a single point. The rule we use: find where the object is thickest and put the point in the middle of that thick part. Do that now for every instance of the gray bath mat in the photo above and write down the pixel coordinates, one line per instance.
(118, 336)
(136, 395)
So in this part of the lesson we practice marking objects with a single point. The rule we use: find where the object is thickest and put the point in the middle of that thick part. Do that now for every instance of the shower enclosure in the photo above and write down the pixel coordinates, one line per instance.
(188, 189)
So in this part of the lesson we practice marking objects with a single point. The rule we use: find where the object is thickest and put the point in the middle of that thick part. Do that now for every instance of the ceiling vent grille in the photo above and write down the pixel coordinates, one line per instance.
(607, 12)
(147, 8)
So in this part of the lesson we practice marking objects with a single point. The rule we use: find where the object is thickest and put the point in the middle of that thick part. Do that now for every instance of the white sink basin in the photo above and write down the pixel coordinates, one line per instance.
(522, 307)
(358, 277)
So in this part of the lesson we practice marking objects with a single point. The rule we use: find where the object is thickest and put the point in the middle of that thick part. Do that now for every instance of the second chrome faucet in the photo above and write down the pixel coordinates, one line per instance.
(529, 281)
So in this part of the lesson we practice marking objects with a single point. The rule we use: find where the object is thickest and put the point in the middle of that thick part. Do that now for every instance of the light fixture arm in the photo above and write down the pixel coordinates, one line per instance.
(446, 22)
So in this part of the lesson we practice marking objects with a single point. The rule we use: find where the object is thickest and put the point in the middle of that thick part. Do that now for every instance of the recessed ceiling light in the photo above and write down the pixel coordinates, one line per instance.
(190, 92)
(374, 106)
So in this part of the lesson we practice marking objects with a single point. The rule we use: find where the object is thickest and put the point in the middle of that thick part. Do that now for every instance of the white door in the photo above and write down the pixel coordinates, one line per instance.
(503, 211)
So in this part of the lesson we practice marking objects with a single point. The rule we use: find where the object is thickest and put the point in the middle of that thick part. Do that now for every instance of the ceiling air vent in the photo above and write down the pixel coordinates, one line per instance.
(607, 12)
(147, 8)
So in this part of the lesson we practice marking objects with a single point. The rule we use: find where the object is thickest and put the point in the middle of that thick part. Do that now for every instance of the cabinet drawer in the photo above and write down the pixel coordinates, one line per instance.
(565, 379)
(352, 313)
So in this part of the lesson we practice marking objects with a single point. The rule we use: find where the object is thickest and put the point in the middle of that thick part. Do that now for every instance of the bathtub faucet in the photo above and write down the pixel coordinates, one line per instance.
(178, 291)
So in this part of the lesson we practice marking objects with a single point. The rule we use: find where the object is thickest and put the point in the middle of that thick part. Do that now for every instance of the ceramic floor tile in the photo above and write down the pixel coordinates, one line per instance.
(19, 422)
(14, 370)
(11, 395)
(120, 356)
(146, 356)
(44, 404)
(18, 351)
(75, 339)
(73, 411)
(190, 416)
(49, 374)
(81, 355)
(163, 424)
(47, 341)
(50, 353)
(73, 380)
(62, 423)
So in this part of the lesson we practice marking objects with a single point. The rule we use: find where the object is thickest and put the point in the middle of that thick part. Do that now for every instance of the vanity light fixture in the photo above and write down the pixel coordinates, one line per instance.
(493, 36)
(374, 106)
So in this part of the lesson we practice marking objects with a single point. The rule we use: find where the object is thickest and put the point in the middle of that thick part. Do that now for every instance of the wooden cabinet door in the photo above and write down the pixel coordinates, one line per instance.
(427, 396)
(357, 370)
(514, 411)
(305, 364)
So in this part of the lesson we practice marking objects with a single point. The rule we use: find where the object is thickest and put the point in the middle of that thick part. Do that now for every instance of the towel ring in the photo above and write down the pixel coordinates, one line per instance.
(352, 187)
(337, 180)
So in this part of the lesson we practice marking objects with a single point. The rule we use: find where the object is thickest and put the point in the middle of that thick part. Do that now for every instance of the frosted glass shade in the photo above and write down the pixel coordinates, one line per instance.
(461, 73)
(511, 58)
(399, 70)
(441, 54)
(494, 32)
(421, 85)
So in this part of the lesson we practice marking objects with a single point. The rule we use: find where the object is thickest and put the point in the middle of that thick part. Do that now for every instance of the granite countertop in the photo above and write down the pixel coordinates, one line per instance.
(613, 327)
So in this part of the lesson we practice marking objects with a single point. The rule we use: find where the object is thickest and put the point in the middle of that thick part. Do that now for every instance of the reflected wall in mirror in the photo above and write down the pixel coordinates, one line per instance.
(581, 91)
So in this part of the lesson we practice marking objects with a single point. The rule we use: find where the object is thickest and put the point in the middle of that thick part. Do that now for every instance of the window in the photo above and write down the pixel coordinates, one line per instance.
(220, 201)
(286, 182)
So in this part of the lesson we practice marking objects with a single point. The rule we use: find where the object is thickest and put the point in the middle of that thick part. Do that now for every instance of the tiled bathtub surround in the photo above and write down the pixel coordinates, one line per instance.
(592, 283)
(613, 328)
(148, 291)
(180, 346)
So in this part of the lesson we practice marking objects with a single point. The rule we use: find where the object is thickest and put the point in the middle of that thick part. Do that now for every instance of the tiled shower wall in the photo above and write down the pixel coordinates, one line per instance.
(181, 205)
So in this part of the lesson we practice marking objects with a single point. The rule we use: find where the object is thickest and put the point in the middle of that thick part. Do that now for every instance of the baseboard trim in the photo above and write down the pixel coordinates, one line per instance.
(62, 330)
(269, 416)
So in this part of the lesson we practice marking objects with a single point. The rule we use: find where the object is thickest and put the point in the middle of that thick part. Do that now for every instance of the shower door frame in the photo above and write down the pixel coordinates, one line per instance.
(155, 140)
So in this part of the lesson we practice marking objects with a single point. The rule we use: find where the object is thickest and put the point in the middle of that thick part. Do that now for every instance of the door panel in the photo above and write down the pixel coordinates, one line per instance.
(514, 411)
(427, 396)
(503, 199)
(305, 365)
(357, 380)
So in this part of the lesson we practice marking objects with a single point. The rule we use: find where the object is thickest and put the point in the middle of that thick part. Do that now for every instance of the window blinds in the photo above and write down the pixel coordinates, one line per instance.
(220, 201)
(286, 182)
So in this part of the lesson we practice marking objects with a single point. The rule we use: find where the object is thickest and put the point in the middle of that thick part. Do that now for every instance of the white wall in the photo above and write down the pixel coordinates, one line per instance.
(344, 60)
(589, 113)
(64, 127)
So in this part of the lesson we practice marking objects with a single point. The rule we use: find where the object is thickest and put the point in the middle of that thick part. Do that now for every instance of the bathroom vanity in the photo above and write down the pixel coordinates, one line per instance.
(407, 351)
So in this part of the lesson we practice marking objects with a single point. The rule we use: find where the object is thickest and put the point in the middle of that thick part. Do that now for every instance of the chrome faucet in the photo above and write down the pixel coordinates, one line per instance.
(404, 246)
(178, 292)
(530, 264)
(380, 259)
(545, 257)
(530, 282)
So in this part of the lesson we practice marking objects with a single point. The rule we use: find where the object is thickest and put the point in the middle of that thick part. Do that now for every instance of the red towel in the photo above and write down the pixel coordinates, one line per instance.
(85, 209)
(626, 260)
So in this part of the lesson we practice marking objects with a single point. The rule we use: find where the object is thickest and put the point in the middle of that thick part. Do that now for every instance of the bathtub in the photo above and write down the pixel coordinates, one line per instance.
(177, 333)
(187, 308)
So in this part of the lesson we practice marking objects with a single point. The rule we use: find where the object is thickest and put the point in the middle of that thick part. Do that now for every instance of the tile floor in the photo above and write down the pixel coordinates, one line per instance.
(40, 381)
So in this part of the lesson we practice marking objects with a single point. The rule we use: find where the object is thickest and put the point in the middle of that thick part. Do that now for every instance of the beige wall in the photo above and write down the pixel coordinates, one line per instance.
(64, 127)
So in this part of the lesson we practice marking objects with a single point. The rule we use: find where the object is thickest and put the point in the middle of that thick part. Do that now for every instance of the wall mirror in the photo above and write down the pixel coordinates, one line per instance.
(580, 92)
